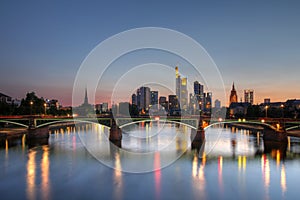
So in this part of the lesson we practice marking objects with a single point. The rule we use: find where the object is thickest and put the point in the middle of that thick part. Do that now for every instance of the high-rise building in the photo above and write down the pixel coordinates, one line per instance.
(133, 99)
(124, 108)
(138, 98)
(193, 103)
(183, 95)
(154, 98)
(208, 102)
(173, 103)
(199, 95)
(104, 107)
(198, 88)
(217, 104)
(249, 96)
(233, 96)
(178, 83)
(145, 98)
(163, 102)
(181, 90)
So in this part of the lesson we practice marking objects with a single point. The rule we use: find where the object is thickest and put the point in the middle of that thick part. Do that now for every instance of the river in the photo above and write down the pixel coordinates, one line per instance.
(156, 161)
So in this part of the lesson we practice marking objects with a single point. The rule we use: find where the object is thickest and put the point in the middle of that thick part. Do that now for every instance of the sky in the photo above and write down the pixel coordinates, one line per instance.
(254, 44)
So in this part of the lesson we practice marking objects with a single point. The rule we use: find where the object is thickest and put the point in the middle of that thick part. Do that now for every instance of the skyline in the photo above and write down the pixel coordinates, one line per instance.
(253, 44)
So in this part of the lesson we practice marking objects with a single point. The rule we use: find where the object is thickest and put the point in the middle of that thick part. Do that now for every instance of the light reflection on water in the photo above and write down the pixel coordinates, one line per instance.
(240, 165)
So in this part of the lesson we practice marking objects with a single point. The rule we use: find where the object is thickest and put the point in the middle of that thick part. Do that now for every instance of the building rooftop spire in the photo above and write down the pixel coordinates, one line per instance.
(86, 101)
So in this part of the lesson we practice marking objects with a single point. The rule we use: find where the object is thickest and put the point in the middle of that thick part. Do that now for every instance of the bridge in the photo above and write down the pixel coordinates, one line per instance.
(37, 124)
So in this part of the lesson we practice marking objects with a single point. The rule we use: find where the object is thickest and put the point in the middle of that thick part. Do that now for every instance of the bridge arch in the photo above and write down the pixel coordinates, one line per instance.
(293, 127)
(241, 122)
(15, 123)
(69, 120)
(153, 120)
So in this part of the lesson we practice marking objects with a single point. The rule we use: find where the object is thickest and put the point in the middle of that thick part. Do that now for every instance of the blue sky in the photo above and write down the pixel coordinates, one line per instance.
(255, 43)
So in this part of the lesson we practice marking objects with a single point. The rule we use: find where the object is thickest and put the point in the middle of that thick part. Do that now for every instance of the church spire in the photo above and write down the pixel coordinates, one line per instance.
(233, 95)
(86, 101)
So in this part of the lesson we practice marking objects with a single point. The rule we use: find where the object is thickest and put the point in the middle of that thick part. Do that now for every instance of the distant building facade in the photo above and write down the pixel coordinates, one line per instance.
(233, 96)
(5, 98)
(249, 96)
(154, 98)
(174, 105)
(217, 104)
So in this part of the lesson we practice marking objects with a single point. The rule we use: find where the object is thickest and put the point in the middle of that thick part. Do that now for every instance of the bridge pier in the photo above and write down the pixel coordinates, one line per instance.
(198, 136)
(115, 134)
(34, 133)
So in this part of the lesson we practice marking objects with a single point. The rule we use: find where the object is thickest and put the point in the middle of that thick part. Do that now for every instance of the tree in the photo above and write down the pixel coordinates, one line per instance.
(253, 111)
(31, 105)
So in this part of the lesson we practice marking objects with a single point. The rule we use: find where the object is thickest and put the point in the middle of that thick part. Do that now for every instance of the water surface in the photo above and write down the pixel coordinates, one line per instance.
(239, 165)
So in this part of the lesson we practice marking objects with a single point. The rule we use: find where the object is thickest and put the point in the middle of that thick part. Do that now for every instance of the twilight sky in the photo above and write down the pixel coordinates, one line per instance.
(256, 44)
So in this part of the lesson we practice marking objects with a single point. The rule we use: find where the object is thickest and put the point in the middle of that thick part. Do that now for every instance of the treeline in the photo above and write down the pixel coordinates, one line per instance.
(31, 105)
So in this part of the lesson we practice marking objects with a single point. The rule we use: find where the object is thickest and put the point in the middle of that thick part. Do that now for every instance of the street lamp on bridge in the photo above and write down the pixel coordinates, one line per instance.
(45, 106)
(31, 104)
(266, 107)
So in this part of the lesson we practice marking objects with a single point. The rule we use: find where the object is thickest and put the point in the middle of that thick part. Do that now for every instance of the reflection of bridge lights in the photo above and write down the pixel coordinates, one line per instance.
(6, 145)
(23, 141)
(157, 176)
(265, 170)
(45, 163)
(220, 165)
(220, 170)
(31, 173)
(242, 162)
(194, 166)
(283, 179)
(278, 157)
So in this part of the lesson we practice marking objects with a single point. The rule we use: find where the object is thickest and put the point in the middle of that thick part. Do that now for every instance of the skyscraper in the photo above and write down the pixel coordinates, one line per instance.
(178, 83)
(249, 96)
(173, 104)
(183, 94)
(199, 94)
(217, 104)
(163, 102)
(208, 102)
(145, 98)
(181, 90)
(133, 99)
(233, 96)
(154, 98)
(138, 99)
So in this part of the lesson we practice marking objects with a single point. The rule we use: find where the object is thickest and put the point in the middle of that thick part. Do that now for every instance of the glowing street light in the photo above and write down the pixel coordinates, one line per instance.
(282, 114)
(266, 111)
(45, 106)
(31, 103)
